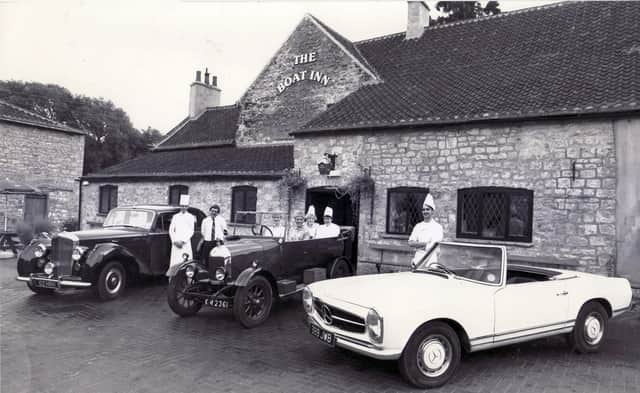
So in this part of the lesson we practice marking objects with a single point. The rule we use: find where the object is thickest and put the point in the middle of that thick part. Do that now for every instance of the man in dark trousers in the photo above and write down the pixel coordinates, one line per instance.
(214, 229)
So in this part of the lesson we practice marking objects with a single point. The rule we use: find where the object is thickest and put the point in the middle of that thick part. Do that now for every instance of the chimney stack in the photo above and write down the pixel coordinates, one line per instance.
(203, 95)
(417, 18)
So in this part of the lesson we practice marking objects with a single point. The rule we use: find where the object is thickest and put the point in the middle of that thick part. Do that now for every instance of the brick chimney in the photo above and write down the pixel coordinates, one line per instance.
(417, 18)
(203, 94)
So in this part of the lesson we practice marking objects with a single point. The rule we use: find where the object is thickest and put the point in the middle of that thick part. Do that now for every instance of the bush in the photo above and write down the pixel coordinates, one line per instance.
(70, 225)
(24, 231)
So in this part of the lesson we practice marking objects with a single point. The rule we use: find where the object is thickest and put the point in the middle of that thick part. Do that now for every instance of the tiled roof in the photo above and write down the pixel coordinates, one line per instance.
(15, 114)
(258, 161)
(561, 59)
(214, 127)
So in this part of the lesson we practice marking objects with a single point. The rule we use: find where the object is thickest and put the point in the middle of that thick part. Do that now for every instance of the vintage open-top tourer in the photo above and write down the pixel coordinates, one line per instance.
(461, 297)
(247, 272)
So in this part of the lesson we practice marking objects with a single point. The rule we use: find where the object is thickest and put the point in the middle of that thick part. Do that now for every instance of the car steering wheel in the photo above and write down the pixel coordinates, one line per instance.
(258, 230)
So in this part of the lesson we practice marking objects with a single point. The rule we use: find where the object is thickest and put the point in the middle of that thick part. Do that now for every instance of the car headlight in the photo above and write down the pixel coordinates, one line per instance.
(374, 326)
(48, 268)
(307, 300)
(220, 274)
(77, 253)
(190, 271)
(39, 251)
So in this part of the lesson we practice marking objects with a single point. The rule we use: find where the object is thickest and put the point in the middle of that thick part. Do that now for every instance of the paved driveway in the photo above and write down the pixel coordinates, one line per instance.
(71, 342)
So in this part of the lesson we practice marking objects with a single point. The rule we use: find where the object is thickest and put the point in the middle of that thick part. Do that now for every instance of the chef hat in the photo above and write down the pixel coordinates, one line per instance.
(184, 200)
(311, 212)
(328, 212)
(428, 201)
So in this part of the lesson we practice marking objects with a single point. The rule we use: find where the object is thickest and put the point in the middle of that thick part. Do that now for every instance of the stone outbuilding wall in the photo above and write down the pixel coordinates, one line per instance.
(202, 195)
(573, 212)
(46, 158)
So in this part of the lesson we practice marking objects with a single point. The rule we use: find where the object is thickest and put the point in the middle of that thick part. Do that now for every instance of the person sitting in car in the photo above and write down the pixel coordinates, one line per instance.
(277, 228)
(298, 232)
(328, 229)
(311, 226)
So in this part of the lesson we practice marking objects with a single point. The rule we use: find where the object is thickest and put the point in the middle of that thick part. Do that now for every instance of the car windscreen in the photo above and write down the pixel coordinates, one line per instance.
(482, 264)
(129, 218)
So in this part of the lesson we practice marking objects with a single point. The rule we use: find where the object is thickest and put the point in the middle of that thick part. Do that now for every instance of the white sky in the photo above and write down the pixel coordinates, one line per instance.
(143, 54)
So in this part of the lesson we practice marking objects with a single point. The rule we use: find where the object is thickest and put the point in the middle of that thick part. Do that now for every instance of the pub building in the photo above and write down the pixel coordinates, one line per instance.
(524, 126)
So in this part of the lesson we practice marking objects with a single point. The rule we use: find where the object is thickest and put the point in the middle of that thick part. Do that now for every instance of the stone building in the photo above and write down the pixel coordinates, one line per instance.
(524, 127)
(39, 152)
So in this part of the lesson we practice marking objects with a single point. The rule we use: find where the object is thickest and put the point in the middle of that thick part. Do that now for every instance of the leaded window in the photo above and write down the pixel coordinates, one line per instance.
(108, 198)
(404, 209)
(495, 213)
(175, 191)
(243, 198)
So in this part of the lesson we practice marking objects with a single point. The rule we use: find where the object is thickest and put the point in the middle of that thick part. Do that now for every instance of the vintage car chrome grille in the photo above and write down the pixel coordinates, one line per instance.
(61, 250)
(339, 318)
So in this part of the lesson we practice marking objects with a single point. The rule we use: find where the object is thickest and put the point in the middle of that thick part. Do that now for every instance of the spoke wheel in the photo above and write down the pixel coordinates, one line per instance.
(431, 356)
(339, 268)
(181, 304)
(252, 303)
(111, 281)
(590, 328)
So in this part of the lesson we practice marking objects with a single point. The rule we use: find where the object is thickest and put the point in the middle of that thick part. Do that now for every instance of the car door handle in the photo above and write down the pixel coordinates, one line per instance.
(563, 293)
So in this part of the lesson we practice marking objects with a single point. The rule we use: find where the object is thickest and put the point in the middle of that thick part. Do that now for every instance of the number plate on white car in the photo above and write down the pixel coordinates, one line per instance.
(322, 335)
(219, 303)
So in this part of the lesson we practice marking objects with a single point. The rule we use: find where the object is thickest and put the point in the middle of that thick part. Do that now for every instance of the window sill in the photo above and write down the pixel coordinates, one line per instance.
(493, 242)
(394, 236)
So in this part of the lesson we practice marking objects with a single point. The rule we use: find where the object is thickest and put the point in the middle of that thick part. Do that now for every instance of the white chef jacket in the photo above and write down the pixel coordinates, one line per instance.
(325, 231)
(277, 231)
(181, 229)
(426, 232)
(221, 226)
(311, 230)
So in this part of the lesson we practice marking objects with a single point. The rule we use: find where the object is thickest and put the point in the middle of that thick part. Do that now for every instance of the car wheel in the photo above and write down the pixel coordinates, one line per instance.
(339, 268)
(590, 328)
(39, 290)
(111, 281)
(431, 355)
(179, 303)
(252, 303)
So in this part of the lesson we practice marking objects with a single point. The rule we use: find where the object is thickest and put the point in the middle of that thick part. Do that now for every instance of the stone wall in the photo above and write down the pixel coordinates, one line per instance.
(573, 220)
(202, 196)
(45, 158)
(269, 113)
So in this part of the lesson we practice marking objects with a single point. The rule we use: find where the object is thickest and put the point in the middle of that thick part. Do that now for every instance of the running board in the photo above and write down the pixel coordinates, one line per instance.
(298, 288)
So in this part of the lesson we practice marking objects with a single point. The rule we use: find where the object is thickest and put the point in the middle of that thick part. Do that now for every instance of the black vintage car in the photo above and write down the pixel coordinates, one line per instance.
(133, 241)
(248, 272)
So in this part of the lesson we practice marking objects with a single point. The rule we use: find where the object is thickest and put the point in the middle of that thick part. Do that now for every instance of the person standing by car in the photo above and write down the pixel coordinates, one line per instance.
(328, 229)
(278, 229)
(426, 233)
(214, 229)
(180, 232)
(298, 232)
(311, 225)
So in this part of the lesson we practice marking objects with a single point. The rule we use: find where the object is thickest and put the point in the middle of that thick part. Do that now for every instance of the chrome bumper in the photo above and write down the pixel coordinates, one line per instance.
(60, 282)
(356, 345)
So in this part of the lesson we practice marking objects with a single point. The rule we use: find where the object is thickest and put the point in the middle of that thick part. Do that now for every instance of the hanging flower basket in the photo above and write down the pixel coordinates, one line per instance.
(292, 180)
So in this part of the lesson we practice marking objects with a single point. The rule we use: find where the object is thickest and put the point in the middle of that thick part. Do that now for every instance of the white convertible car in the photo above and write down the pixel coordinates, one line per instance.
(460, 297)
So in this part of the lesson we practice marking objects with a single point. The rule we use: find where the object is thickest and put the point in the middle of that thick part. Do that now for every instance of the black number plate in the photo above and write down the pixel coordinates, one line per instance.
(219, 303)
(322, 335)
(44, 283)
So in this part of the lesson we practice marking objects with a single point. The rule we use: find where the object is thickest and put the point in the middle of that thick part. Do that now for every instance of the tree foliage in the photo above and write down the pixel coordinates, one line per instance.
(460, 10)
(111, 138)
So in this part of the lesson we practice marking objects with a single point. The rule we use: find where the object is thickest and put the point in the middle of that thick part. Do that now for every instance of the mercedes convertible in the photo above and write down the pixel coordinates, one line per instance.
(461, 297)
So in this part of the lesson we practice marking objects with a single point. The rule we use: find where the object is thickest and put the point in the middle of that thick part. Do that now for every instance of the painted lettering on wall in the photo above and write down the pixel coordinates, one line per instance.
(303, 75)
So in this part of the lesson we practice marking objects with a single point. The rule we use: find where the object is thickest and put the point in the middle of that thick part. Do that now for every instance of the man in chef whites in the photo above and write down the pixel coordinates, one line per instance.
(180, 232)
(427, 232)
(328, 229)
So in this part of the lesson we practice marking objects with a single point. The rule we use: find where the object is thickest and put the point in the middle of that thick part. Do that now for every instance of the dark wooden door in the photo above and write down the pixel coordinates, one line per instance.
(35, 208)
